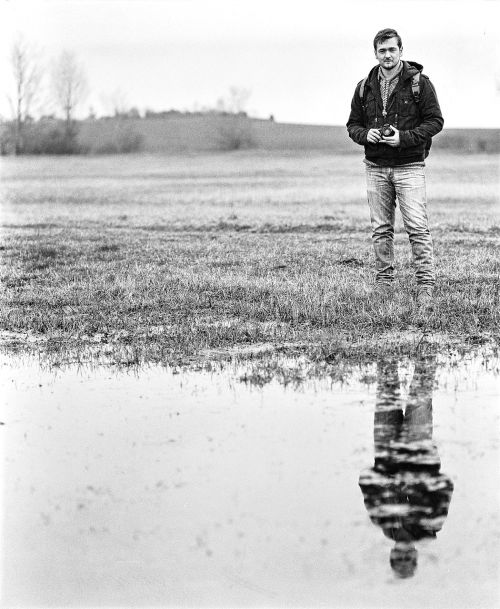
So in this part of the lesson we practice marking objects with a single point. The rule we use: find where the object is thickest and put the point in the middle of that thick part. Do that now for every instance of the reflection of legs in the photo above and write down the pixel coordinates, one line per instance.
(418, 414)
(382, 203)
(417, 427)
(388, 408)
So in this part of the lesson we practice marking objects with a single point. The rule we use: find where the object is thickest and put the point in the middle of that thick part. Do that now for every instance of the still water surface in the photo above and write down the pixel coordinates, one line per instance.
(157, 488)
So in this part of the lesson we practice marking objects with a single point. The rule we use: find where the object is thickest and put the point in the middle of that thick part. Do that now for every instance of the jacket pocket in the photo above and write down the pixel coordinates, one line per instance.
(407, 106)
(371, 112)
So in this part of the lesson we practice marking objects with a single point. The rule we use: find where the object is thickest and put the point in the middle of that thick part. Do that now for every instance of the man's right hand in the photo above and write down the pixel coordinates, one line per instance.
(373, 136)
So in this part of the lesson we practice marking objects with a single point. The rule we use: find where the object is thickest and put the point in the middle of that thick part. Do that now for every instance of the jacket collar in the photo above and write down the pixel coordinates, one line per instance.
(397, 74)
(409, 69)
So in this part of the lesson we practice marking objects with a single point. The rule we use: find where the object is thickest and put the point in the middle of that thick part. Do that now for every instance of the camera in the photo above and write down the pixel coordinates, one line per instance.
(386, 130)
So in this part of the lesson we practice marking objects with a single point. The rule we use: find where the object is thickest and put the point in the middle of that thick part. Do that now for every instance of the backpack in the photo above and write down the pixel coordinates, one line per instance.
(415, 87)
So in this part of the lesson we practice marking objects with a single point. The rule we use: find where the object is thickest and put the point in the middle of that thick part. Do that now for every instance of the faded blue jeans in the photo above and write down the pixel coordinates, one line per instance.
(406, 184)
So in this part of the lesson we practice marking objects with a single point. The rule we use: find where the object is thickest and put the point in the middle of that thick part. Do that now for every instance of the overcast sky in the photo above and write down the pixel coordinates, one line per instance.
(301, 59)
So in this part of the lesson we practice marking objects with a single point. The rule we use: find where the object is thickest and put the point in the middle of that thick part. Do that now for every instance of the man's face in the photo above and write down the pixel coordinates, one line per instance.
(404, 559)
(388, 53)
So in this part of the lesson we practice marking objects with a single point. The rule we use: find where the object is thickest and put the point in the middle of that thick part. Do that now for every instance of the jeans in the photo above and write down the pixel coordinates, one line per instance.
(406, 184)
(405, 438)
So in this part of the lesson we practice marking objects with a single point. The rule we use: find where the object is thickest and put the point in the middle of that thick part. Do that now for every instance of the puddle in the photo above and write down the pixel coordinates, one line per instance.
(160, 488)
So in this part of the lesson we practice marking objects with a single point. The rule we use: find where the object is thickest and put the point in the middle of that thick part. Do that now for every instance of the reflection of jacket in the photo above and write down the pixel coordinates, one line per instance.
(413, 498)
(416, 122)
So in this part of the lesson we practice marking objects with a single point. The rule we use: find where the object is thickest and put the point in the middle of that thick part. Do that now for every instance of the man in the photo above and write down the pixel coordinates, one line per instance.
(397, 95)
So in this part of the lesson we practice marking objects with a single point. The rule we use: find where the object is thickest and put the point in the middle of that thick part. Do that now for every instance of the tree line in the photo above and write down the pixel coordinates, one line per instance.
(63, 88)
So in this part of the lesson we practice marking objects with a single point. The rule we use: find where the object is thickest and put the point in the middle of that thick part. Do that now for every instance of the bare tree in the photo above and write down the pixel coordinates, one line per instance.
(119, 103)
(238, 99)
(69, 85)
(27, 79)
(235, 101)
(234, 128)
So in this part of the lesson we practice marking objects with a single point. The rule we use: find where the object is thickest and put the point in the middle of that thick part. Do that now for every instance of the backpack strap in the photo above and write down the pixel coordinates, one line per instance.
(362, 88)
(415, 87)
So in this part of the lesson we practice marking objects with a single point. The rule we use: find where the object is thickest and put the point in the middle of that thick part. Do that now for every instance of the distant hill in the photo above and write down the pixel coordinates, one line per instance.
(197, 133)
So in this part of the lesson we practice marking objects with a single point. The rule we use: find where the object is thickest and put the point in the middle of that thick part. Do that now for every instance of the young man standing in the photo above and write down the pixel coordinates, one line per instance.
(394, 115)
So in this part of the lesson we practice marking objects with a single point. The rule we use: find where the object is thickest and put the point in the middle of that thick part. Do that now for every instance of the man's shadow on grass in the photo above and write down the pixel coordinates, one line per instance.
(404, 492)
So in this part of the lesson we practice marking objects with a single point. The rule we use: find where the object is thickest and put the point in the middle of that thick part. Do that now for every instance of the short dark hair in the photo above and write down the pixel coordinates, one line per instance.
(385, 35)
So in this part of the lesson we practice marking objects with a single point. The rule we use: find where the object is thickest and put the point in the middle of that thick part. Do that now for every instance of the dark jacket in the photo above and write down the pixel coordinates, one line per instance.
(417, 123)
(413, 500)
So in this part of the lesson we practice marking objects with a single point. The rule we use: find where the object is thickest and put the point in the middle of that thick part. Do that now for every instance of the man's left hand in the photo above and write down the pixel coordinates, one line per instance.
(391, 140)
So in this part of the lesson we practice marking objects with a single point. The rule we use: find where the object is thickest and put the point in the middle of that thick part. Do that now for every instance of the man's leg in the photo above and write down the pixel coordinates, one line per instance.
(410, 189)
(388, 417)
(382, 203)
(418, 413)
(420, 449)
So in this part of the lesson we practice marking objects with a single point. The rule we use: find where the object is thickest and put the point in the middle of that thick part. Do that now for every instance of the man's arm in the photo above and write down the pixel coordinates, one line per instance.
(355, 125)
(430, 113)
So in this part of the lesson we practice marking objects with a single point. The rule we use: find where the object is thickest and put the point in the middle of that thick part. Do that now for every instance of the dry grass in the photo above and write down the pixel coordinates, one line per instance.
(161, 257)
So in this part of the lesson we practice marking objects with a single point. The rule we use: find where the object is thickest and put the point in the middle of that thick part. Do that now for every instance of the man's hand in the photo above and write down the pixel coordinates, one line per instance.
(373, 136)
(391, 140)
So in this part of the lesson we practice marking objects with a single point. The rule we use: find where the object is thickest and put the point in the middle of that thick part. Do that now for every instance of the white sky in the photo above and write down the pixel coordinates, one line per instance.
(301, 59)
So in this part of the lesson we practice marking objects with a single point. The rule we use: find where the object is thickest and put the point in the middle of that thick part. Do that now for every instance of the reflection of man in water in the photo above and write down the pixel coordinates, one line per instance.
(404, 492)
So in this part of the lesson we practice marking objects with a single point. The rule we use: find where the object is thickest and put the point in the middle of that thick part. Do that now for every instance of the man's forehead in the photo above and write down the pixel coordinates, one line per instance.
(388, 44)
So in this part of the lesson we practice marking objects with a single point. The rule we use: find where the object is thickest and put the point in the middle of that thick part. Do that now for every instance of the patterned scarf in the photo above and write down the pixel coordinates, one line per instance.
(387, 86)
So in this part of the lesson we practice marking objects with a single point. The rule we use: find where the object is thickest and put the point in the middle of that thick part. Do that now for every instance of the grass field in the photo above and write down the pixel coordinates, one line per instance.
(162, 257)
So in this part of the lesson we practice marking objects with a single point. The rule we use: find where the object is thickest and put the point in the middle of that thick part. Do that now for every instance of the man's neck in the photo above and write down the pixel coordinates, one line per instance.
(388, 74)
